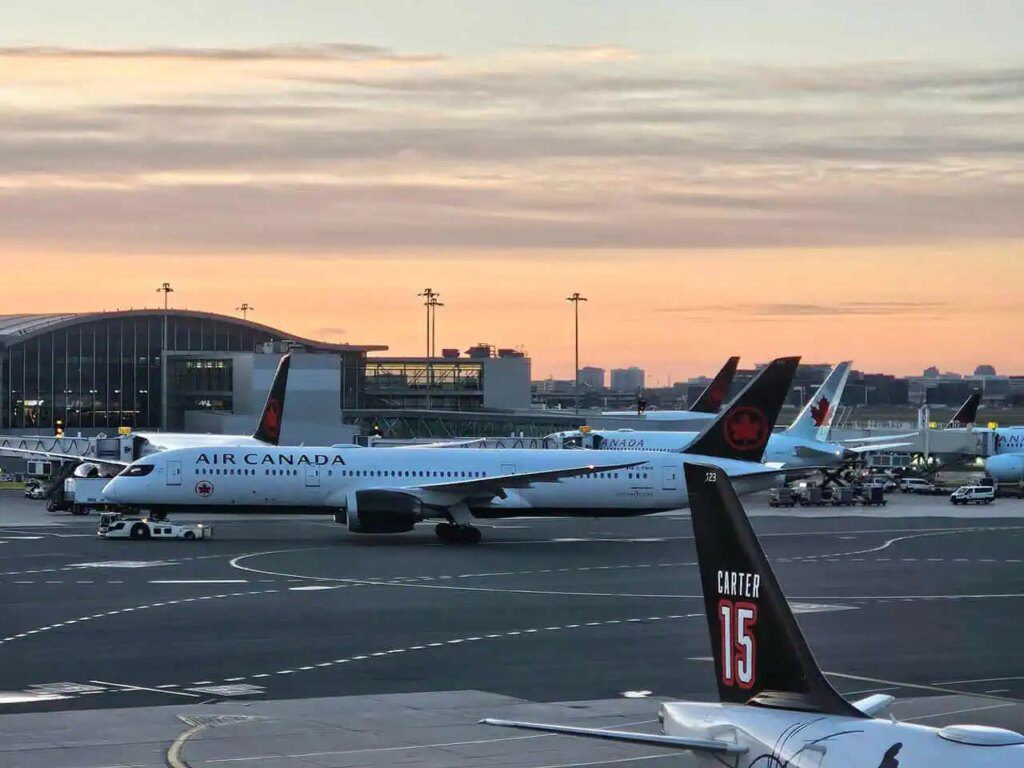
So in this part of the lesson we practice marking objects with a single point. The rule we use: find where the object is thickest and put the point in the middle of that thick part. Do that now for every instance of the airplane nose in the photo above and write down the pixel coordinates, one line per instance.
(112, 490)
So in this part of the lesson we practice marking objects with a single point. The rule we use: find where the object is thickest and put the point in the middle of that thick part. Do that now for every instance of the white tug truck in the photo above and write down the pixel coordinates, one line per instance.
(114, 525)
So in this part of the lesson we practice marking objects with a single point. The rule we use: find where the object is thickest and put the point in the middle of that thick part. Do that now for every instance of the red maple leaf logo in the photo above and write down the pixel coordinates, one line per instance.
(716, 395)
(819, 411)
(204, 488)
(746, 429)
(272, 418)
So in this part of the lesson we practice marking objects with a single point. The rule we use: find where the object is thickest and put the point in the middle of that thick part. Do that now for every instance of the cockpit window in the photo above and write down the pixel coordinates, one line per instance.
(137, 470)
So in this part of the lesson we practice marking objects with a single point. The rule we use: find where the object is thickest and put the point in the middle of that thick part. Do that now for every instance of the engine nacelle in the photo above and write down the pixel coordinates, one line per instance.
(382, 512)
(1008, 468)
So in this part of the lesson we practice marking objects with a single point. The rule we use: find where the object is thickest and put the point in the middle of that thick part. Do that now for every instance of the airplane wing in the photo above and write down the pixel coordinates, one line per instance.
(495, 484)
(65, 456)
(449, 443)
(878, 447)
(655, 739)
(879, 438)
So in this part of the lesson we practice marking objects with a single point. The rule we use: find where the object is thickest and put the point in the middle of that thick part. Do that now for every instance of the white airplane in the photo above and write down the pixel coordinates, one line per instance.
(268, 432)
(1006, 465)
(775, 706)
(704, 408)
(803, 444)
(390, 490)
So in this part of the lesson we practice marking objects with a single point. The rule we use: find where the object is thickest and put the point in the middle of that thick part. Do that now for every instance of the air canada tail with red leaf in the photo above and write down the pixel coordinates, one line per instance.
(761, 657)
(742, 430)
(269, 428)
(711, 399)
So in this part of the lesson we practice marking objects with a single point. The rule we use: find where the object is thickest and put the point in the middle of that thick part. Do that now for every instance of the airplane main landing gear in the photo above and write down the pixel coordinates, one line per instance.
(457, 534)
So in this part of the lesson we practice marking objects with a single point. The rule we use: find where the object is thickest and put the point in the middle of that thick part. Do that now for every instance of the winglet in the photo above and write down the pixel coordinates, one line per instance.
(711, 399)
(761, 657)
(742, 430)
(269, 428)
(815, 419)
(967, 414)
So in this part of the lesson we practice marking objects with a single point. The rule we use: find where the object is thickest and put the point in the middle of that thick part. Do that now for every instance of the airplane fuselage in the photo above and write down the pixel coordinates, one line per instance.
(782, 737)
(326, 479)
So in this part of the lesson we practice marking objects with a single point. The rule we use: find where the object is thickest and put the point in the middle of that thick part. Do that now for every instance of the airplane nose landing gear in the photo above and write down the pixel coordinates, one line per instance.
(457, 534)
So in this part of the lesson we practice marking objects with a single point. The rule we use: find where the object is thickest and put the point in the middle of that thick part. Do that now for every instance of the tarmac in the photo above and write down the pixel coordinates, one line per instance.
(290, 642)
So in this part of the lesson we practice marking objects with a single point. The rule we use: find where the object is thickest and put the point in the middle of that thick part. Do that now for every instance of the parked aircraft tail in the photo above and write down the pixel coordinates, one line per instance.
(815, 420)
(269, 428)
(967, 414)
(742, 429)
(711, 399)
(761, 657)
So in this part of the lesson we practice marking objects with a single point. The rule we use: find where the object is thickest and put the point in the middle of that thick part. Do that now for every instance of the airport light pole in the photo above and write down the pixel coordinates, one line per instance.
(428, 296)
(576, 298)
(166, 290)
(245, 309)
(434, 304)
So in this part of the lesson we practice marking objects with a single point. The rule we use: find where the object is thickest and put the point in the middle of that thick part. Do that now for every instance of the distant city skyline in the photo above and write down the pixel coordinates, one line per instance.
(724, 178)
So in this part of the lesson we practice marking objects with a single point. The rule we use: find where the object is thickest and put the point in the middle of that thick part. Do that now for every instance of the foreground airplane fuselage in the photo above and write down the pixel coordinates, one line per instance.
(327, 479)
(777, 737)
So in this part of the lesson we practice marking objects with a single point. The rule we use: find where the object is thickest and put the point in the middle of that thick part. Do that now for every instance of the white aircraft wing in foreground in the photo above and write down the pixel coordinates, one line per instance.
(776, 708)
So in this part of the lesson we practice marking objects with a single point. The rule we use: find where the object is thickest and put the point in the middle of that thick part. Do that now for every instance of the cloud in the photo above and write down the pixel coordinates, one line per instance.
(318, 148)
(326, 52)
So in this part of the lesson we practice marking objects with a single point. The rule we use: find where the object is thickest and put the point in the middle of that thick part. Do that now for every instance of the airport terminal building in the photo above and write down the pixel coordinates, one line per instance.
(100, 372)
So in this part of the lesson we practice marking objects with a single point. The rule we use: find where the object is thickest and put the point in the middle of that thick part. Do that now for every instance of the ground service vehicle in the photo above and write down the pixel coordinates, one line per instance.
(973, 494)
(919, 485)
(144, 528)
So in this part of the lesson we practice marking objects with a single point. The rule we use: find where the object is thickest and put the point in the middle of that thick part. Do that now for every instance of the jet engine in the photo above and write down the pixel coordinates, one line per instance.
(87, 469)
(1008, 468)
(382, 512)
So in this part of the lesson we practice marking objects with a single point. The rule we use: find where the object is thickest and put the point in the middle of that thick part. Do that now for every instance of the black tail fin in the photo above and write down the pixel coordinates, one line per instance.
(742, 430)
(269, 428)
(761, 657)
(968, 412)
(711, 399)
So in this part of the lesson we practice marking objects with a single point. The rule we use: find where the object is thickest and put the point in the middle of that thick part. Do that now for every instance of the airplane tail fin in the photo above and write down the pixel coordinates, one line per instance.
(815, 420)
(761, 657)
(967, 414)
(711, 399)
(269, 428)
(741, 431)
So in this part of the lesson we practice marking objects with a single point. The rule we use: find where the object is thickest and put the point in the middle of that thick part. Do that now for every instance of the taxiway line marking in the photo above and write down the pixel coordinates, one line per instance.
(126, 687)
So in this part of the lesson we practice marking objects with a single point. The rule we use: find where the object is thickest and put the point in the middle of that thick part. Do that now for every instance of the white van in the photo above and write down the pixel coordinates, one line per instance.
(973, 494)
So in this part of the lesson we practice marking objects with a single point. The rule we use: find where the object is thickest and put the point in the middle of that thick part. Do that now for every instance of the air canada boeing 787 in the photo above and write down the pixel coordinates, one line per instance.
(389, 490)
(776, 708)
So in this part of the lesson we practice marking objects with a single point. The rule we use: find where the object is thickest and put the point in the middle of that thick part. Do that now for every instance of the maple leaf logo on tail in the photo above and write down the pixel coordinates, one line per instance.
(746, 429)
(820, 411)
(272, 419)
(716, 395)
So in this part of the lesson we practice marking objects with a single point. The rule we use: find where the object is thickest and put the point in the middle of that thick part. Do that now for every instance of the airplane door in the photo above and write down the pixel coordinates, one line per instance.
(312, 477)
(669, 478)
(174, 473)
(508, 469)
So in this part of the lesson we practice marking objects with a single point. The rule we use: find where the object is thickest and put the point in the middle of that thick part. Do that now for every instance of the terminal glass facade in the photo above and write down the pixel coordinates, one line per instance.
(455, 385)
(105, 371)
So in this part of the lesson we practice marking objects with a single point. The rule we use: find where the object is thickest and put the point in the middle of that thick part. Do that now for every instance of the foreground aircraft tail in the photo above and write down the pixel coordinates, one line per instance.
(269, 428)
(968, 413)
(742, 430)
(711, 399)
(815, 420)
(760, 655)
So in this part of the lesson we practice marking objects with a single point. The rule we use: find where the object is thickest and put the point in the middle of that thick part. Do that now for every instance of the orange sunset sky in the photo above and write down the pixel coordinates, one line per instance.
(716, 180)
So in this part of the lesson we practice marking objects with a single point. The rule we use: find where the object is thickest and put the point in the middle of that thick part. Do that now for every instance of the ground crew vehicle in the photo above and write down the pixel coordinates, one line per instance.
(145, 528)
(973, 494)
(782, 497)
(919, 485)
